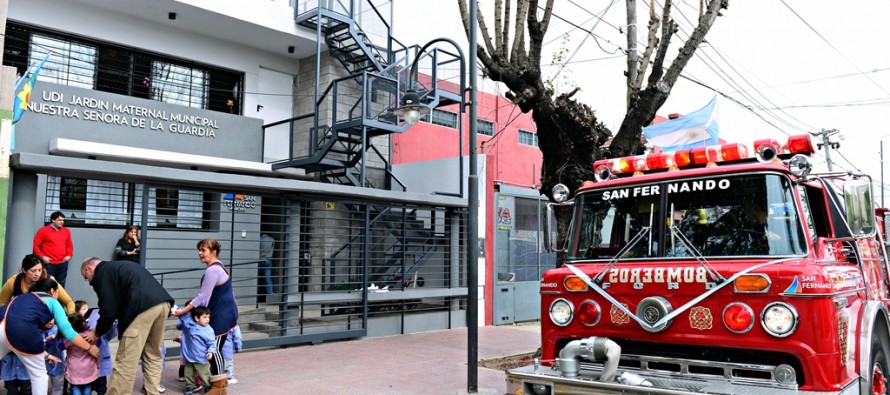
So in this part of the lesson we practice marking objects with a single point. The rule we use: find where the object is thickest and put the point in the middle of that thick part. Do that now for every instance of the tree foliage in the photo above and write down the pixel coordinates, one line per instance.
(569, 134)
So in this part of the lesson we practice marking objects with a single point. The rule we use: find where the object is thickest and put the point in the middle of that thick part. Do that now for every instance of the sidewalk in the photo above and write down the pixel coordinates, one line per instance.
(433, 363)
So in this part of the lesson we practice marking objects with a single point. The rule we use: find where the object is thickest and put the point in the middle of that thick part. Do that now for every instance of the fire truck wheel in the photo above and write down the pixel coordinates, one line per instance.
(879, 380)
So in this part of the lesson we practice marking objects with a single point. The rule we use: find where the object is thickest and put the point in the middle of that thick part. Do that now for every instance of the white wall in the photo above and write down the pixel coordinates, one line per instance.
(163, 37)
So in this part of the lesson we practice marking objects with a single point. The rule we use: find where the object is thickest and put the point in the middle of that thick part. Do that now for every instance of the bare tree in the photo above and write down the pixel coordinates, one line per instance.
(569, 134)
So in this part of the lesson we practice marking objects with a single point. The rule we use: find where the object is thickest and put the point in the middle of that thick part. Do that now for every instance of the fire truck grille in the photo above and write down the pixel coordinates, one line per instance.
(694, 375)
(674, 384)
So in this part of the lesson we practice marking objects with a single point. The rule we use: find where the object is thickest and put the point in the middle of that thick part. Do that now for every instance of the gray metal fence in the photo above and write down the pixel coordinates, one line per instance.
(341, 267)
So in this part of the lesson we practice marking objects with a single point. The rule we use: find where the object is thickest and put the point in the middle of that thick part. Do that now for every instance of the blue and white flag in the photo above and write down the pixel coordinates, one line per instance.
(696, 129)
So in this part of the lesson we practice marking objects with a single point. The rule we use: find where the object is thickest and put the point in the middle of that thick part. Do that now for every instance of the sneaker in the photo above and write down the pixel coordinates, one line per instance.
(198, 389)
(181, 379)
(161, 388)
(233, 381)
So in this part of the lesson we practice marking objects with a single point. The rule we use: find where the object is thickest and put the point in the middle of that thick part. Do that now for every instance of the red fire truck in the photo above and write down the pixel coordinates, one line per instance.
(728, 269)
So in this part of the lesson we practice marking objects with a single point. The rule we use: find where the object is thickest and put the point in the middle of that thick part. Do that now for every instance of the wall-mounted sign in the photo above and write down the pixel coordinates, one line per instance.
(239, 201)
(107, 112)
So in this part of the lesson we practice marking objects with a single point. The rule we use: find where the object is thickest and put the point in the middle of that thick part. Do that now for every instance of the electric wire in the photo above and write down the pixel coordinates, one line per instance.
(702, 53)
(834, 48)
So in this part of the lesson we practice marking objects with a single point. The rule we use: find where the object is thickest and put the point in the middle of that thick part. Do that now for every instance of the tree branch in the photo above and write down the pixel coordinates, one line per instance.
(698, 36)
(650, 46)
(498, 26)
(465, 17)
(668, 28)
(518, 52)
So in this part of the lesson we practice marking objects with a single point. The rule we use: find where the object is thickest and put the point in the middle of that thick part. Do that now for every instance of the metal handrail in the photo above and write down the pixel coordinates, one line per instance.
(231, 265)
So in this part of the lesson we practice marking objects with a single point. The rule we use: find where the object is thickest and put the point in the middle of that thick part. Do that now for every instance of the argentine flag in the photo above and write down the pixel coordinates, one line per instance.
(696, 129)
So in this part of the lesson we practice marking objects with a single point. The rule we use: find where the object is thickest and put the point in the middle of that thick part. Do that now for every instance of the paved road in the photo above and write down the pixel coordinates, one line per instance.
(421, 363)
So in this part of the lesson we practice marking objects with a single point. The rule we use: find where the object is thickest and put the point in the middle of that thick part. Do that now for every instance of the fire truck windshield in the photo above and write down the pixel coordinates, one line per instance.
(725, 216)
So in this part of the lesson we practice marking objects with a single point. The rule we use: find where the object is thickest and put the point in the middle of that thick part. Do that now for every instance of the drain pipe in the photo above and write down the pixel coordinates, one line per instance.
(592, 349)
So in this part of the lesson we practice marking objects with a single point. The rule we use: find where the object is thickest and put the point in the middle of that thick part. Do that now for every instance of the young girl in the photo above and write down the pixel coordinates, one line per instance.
(105, 367)
(82, 368)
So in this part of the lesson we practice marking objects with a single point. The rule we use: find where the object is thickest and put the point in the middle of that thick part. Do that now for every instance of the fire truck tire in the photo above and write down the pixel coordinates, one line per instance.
(879, 377)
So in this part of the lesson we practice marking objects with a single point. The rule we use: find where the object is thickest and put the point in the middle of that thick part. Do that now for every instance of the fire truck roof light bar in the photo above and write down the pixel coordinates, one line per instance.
(765, 150)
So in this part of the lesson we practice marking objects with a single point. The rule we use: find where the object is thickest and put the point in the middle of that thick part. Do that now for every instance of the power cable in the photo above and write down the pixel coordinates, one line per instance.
(834, 48)
(702, 53)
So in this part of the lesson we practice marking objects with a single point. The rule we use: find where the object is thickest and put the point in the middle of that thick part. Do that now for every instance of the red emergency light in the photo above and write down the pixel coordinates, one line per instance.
(765, 150)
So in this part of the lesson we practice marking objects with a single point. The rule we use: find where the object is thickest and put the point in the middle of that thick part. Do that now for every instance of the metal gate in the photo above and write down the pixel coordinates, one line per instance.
(340, 267)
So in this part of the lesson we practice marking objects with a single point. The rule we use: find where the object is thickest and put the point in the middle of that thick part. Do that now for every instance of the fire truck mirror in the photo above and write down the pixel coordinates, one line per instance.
(860, 217)
(550, 236)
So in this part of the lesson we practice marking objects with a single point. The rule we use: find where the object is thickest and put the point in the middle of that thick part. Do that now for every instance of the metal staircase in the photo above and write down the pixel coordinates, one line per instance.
(354, 109)
(387, 245)
(399, 243)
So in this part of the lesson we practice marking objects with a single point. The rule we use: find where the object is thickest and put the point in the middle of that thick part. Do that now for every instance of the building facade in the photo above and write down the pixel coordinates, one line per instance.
(197, 119)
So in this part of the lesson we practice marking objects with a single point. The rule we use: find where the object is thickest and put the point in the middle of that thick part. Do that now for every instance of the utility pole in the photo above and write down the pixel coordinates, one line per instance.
(632, 56)
(826, 143)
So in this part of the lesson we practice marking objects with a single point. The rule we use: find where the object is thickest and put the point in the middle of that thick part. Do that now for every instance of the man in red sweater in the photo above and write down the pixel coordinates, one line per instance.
(52, 243)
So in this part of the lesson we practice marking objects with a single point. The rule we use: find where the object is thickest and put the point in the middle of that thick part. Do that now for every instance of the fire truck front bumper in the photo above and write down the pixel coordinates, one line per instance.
(544, 380)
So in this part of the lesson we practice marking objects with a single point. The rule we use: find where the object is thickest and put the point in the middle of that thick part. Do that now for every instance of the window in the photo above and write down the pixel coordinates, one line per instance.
(441, 118)
(70, 63)
(484, 127)
(723, 216)
(73, 194)
(528, 138)
(97, 202)
(85, 63)
(176, 84)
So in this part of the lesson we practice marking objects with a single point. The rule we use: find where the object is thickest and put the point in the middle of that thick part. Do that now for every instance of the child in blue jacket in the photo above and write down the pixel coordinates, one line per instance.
(55, 368)
(198, 343)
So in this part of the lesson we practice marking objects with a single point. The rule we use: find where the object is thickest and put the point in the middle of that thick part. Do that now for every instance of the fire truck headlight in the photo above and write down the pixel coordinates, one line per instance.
(779, 319)
(560, 193)
(561, 312)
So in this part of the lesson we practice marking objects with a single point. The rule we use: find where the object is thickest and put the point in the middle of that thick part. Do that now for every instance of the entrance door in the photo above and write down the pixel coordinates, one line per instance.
(519, 259)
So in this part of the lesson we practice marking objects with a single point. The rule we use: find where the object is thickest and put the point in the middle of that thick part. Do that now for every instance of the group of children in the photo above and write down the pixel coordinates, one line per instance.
(82, 371)
(85, 374)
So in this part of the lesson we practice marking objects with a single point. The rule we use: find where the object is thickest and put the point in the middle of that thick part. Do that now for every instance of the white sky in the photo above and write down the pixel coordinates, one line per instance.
(802, 65)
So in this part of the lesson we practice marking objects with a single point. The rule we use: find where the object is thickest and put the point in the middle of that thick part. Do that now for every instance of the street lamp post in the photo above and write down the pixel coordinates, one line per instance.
(410, 110)
(473, 232)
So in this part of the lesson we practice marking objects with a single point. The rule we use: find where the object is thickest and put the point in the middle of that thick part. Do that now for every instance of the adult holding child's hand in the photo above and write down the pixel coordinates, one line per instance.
(216, 293)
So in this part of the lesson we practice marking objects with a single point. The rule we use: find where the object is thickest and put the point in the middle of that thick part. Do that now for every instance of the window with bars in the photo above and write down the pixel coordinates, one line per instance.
(69, 63)
(89, 202)
(90, 64)
(528, 138)
(176, 84)
(441, 118)
(485, 128)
